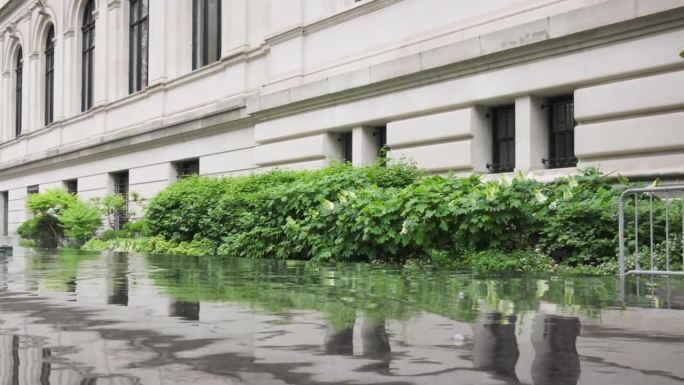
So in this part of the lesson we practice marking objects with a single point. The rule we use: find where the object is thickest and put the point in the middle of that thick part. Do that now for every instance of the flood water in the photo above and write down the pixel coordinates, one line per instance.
(119, 319)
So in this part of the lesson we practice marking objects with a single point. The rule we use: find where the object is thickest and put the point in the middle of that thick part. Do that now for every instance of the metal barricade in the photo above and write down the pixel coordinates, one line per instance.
(666, 194)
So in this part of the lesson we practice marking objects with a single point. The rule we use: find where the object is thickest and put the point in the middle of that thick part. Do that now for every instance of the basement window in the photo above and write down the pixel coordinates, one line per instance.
(187, 168)
(71, 186)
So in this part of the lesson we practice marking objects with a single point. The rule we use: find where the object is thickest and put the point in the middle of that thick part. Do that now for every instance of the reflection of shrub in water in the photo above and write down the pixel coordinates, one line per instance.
(556, 361)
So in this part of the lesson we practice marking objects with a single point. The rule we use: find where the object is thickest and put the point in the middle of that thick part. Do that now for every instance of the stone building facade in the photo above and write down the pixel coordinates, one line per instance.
(105, 96)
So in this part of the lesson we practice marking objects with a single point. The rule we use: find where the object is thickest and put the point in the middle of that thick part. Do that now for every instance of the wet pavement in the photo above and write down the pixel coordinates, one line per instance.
(90, 318)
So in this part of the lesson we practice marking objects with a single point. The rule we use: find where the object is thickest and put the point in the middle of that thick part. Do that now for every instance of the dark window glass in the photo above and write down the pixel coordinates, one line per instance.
(88, 52)
(121, 188)
(561, 133)
(381, 140)
(4, 196)
(33, 189)
(50, 76)
(503, 126)
(346, 143)
(138, 45)
(206, 32)
(19, 80)
(187, 168)
(71, 186)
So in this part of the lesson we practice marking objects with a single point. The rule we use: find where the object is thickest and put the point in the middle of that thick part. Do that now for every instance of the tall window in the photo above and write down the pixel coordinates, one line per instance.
(345, 140)
(50, 76)
(206, 32)
(503, 134)
(138, 45)
(561, 133)
(88, 50)
(19, 80)
(121, 188)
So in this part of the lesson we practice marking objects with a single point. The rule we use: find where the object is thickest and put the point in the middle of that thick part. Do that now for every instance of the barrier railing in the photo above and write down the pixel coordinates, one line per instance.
(664, 195)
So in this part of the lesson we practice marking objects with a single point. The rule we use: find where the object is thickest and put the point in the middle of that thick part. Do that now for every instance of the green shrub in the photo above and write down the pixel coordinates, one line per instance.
(80, 220)
(56, 215)
(389, 212)
(497, 260)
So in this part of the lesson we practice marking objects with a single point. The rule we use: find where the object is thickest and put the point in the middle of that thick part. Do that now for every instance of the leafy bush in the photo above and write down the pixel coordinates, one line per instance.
(56, 215)
(388, 212)
(497, 260)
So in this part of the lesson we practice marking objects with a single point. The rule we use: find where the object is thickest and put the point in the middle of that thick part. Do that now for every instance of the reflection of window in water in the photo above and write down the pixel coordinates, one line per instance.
(119, 280)
(556, 360)
(189, 311)
(495, 346)
(374, 342)
(21, 363)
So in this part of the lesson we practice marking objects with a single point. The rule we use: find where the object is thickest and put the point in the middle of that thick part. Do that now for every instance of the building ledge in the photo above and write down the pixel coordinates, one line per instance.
(582, 28)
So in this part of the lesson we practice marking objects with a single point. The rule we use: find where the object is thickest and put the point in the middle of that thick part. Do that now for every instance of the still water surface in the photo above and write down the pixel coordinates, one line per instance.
(121, 319)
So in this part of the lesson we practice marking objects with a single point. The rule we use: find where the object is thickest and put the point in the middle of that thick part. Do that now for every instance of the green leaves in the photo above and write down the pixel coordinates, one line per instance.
(58, 214)
(80, 220)
(391, 213)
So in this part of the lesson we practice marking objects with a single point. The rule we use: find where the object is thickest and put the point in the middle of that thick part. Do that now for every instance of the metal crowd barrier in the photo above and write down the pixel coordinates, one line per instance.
(651, 192)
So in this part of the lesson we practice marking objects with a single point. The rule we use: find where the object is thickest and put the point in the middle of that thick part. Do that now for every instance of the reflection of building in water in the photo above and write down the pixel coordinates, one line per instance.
(373, 334)
(119, 287)
(23, 364)
(189, 311)
(556, 361)
(496, 348)
(373, 337)
(339, 340)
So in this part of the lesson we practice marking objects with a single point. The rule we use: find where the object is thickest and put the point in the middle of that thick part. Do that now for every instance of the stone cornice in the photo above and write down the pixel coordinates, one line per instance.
(539, 46)
(327, 22)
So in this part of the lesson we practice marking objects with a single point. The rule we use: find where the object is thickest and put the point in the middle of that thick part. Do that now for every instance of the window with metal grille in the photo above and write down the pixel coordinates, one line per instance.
(561, 132)
(503, 134)
(345, 140)
(50, 76)
(187, 168)
(18, 91)
(87, 55)
(4, 196)
(35, 189)
(380, 135)
(121, 188)
(206, 32)
(138, 45)
(71, 186)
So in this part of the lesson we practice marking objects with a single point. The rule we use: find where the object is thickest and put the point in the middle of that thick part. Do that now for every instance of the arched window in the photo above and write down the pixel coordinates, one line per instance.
(50, 76)
(19, 79)
(138, 43)
(206, 32)
(88, 50)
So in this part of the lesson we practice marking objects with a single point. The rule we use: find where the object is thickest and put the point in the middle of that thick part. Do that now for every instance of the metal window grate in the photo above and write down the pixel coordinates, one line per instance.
(345, 140)
(381, 140)
(561, 133)
(71, 186)
(187, 168)
(503, 135)
(121, 188)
